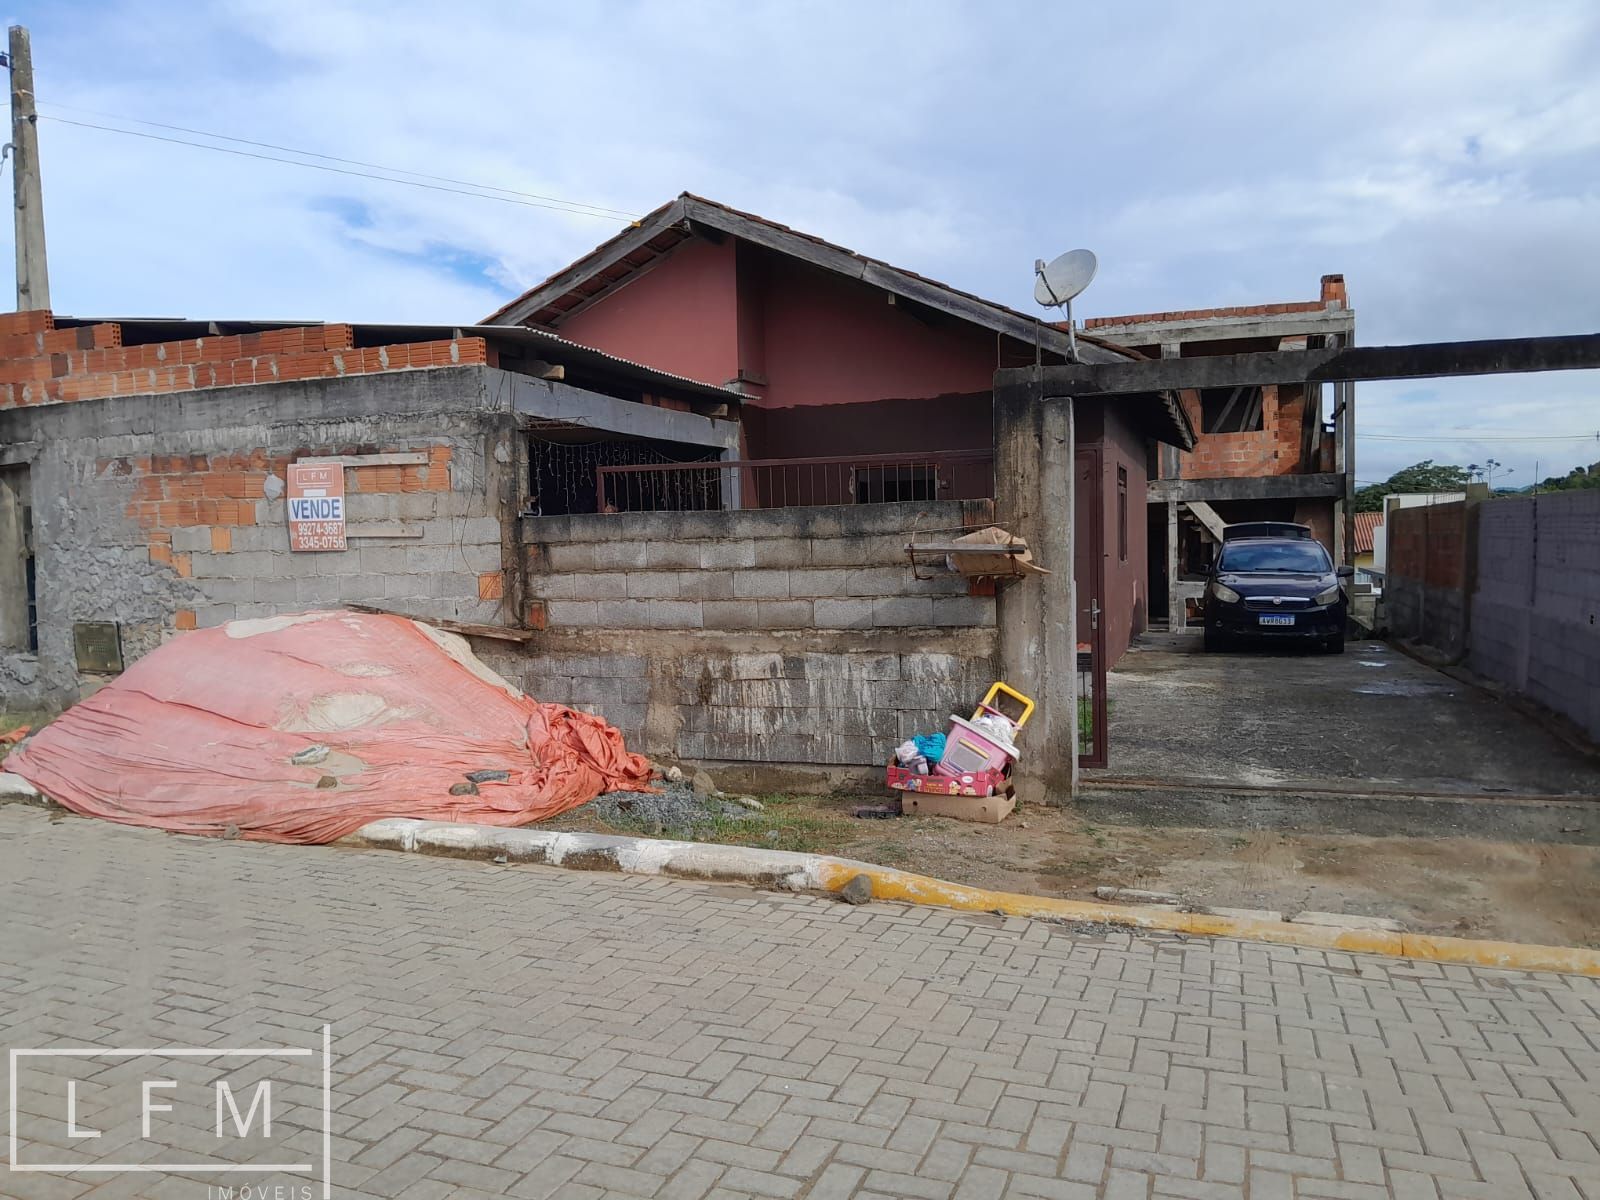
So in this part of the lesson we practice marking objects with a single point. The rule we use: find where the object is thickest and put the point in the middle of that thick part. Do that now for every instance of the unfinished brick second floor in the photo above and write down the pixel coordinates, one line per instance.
(1247, 432)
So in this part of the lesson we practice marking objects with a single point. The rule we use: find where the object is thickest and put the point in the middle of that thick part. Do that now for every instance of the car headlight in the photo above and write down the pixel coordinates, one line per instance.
(1224, 593)
(1331, 596)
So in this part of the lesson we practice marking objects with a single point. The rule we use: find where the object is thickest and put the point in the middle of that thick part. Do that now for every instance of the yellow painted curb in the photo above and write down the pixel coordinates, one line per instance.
(889, 884)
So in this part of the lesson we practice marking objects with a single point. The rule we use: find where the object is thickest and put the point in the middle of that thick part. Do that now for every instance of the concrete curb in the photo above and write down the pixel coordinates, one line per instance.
(825, 873)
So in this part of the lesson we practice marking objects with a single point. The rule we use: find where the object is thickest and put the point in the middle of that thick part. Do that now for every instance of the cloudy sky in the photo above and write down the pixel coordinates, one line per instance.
(1445, 157)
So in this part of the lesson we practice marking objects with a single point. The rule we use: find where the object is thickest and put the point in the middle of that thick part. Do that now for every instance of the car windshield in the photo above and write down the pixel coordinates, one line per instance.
(1299, 557)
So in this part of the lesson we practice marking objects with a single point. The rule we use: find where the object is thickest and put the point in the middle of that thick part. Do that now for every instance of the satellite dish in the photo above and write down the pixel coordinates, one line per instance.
(1056, 283)
(1064, 278)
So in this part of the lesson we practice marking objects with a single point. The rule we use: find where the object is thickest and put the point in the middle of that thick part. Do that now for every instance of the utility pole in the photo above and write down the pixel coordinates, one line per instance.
(33, 279)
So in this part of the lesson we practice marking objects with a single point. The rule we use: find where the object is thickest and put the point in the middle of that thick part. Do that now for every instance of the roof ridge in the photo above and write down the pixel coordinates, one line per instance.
(1006, 320)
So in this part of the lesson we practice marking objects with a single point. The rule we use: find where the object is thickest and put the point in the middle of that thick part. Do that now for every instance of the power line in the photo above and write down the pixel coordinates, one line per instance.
(350, 162)
(1457, 429)
(1481, 436)
(572, 207)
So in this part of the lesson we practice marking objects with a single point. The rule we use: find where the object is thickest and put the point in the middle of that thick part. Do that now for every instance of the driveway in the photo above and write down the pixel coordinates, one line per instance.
(1370, 720)
(530, 1032)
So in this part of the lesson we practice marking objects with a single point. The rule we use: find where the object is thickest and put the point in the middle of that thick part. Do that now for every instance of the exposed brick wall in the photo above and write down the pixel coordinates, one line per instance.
(1274, 449)
(1428, 573)
(42, 365)
(1428, 544)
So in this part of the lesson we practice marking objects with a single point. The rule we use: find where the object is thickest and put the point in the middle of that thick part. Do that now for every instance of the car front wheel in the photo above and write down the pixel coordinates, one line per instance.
(1335, 644)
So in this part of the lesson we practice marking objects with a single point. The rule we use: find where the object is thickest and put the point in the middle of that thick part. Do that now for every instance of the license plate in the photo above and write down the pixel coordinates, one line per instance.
(1275, 619)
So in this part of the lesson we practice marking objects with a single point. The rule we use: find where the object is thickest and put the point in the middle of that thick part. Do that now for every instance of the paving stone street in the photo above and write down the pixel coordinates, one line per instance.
(528, 1032)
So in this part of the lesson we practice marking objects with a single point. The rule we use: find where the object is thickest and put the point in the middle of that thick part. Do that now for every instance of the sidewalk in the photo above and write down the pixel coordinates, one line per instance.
(525, 1031)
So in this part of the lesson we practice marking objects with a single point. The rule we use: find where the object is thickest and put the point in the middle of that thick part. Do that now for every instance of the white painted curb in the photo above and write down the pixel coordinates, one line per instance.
(825, 873)
(601, 852)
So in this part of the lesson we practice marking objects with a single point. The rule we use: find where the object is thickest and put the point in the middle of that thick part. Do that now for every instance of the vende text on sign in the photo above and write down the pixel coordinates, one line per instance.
(315, 497)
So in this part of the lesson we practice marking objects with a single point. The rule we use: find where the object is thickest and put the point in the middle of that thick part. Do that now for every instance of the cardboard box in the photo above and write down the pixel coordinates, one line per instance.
(987, 809)
(975, 783)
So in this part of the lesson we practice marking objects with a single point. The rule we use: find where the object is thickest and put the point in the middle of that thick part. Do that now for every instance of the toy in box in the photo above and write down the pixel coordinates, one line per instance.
(985, 796)
(970, 783)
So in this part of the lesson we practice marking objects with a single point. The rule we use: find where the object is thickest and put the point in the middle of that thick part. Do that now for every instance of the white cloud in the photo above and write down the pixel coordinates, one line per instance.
(1444, 156)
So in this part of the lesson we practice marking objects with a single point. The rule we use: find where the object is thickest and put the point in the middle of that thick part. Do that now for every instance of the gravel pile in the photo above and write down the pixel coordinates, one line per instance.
(676, 811)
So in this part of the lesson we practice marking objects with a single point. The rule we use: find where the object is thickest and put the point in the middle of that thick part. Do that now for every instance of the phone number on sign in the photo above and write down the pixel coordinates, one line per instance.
(318, 535)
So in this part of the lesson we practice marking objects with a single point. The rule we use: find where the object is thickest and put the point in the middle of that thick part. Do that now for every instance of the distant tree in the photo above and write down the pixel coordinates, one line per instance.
(1425, 476)
(1574, 480)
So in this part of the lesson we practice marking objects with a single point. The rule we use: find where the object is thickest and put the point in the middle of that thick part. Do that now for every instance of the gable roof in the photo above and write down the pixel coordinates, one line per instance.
(660, 232)
(1367, 526)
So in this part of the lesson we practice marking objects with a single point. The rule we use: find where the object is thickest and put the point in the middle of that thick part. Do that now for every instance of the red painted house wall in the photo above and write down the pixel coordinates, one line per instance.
(1124, 583)
(832, 341)
(801, 340)
(679, 316)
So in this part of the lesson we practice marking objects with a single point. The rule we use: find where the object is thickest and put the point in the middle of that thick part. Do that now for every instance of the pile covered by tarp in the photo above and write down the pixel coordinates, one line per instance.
(303, 728)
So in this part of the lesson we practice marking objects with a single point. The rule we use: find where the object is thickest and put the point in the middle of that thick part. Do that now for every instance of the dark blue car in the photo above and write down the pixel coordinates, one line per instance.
(1274, 581)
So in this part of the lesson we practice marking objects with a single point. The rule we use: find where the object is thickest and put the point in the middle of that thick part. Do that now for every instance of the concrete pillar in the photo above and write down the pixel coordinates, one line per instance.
(1175, 614)
(1034, 479)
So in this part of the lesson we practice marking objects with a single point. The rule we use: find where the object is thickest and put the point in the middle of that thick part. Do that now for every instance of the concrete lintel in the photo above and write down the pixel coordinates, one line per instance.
(1342, 364)
(553, 400)
(1250, 487)
(1280, 325)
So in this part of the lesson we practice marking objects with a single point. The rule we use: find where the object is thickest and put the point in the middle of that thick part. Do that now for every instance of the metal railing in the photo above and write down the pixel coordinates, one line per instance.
(791, 482)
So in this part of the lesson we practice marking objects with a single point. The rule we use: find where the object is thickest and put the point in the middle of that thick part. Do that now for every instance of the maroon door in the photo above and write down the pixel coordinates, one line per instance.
(1089, 566)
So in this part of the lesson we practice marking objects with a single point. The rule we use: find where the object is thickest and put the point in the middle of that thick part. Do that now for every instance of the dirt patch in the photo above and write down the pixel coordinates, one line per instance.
(1546, 893)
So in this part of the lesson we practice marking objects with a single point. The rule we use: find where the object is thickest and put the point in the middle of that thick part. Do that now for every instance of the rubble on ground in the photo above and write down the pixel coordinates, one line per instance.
(676, 810)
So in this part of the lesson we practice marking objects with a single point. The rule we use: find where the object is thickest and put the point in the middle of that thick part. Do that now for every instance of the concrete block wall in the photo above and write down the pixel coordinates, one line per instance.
(827, 567)
(1536, 604)
(775, 636)
(165, 514)
(429, 548)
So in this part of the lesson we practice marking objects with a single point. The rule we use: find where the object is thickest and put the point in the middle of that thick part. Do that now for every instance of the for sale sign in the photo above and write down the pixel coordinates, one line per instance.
(316, 506)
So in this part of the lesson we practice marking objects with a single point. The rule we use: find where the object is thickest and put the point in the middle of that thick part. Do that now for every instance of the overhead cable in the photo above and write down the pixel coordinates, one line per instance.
(566, 206)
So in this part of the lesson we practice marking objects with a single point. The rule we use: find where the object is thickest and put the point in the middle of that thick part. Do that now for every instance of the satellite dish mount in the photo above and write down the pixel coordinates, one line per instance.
(1058, 281)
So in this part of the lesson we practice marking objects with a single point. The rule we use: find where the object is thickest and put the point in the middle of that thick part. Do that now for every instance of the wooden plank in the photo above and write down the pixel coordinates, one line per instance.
(1150, 333)
(1430, 360)
(1208, 517)
(402, 458)
(1013, 548)
(499, 632)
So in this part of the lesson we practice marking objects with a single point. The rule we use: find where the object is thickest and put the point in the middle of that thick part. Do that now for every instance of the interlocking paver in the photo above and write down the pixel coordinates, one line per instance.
(525, 1032)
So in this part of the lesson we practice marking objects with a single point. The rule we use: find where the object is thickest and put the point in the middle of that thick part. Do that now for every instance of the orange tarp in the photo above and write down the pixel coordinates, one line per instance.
(303, 728)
